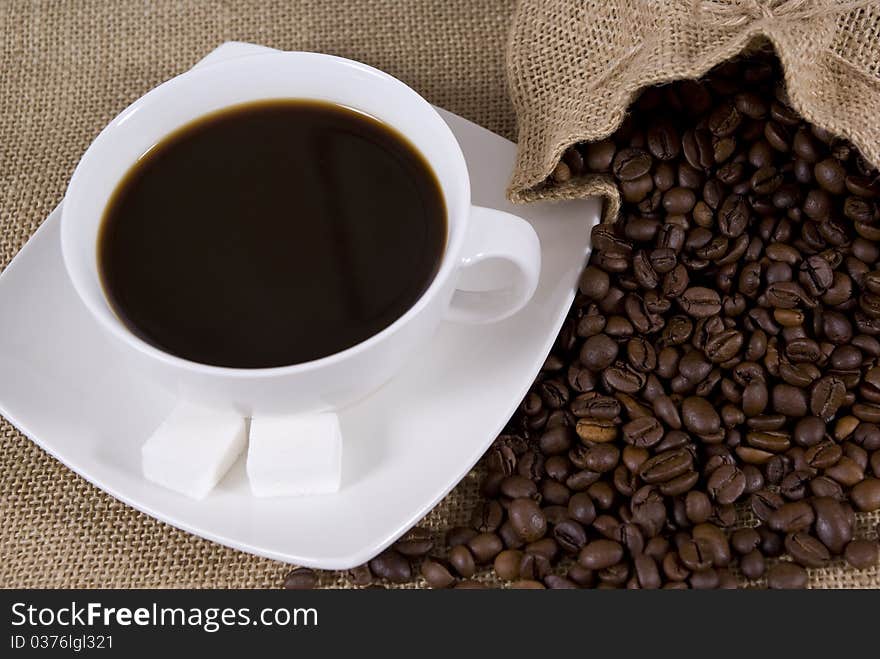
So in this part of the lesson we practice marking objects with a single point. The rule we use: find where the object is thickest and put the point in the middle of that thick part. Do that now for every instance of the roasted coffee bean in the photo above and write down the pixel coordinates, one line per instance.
(554, 394)
(644, 272)
(459, 535)
(697, 148)
(507, 564)
(463, 559)
(554, 493)
(764, 503)
(360, 575)
(485, 546)
(643, 432)
(517, 486)
(418, 541)
(502, 459)
(789, 400)
(581, 508)
(666, 466)
(546, 547)
(510, 537)
(822, 486)
(556, 440)
(694, 554)
(558, 467)
(846, 472)
(555, 582)
(862, 554)
(827, 396)
(755, 398)
(865, 495)
(602, 494)
(599, 155)
(823, 455)
(752, 565)
(301, 578)
(772, 544)
(869, 412)
(601, 458)
(745, 540)
(595, 405)
(766, 180)
(806, 550)
(436, 573)
(785, 575)
(629, 164)
(831, 175)
(698, 507)
(621, 377)
(598, 352)
(570, 536)
(487, 516)
(724, 120)
(533, 567)
(700, 302)
(530, 466)
(391, 565)
(792, 516)
(592, 429)
(726, 484)
(715, 540)
(647, 573)
(723, 346)
(768, 440)
(699, 416)
(832, 524)
(594, 283)
(527, 519)
(600, 554)
(867, 435)
(795, 485)
(663, 140)
(673, 568)
(809, 431)
(579, 481)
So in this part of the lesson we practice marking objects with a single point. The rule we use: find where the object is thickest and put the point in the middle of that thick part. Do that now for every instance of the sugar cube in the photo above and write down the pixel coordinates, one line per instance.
(193, 448)
(294, 455)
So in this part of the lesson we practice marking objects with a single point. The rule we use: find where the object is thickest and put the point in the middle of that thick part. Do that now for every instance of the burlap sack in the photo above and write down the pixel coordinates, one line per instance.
(574, 67)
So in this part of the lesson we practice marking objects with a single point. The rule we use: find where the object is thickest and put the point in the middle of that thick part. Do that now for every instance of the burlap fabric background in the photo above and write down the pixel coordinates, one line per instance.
(576, 65)
(66, 68)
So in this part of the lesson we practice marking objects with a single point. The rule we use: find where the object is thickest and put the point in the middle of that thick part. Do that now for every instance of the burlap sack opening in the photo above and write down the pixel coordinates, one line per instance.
(575, 66)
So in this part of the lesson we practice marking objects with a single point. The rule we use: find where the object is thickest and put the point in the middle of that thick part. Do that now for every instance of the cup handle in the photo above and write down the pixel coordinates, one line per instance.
(499, 269)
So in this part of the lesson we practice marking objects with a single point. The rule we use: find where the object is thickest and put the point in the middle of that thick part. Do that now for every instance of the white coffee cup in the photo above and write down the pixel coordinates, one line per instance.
(489, 270)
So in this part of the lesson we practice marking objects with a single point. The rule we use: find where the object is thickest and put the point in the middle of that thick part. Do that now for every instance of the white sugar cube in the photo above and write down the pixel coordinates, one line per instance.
(294, 455)
(193, 449)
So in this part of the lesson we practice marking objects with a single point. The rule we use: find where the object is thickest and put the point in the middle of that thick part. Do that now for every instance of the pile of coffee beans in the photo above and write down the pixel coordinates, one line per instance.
(712, 404)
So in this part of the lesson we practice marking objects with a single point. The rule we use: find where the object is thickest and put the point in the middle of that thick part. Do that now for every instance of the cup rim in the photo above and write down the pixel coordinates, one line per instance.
(111, 322)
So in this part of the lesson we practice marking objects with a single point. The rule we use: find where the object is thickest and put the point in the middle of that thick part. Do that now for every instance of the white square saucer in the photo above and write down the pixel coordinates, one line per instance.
(405, 447)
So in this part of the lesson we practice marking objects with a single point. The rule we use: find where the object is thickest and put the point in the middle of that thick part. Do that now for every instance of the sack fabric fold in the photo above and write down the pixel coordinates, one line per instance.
(574, 67)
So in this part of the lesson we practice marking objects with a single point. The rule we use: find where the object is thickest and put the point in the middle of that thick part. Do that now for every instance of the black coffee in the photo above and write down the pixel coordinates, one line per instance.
(272, 233)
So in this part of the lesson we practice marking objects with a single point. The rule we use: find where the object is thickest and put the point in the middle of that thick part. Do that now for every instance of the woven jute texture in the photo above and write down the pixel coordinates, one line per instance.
(576, 65)
(66, 68)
